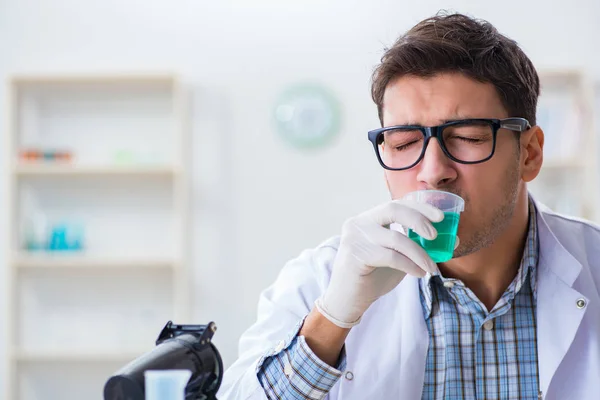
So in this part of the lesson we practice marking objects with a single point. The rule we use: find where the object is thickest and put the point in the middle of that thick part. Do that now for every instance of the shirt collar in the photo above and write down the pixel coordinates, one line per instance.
(526, 269)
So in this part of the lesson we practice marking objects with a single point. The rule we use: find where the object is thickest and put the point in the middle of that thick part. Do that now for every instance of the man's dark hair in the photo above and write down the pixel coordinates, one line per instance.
(458, 43)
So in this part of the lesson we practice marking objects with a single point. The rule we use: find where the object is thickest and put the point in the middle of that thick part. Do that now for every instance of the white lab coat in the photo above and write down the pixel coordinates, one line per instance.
(386, 352)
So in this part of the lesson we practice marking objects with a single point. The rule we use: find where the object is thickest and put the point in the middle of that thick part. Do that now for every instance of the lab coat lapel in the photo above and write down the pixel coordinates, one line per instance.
(415, 339)
(558, 317)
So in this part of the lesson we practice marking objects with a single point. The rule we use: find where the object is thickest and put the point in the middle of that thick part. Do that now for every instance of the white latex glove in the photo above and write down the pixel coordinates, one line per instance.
(372, 259)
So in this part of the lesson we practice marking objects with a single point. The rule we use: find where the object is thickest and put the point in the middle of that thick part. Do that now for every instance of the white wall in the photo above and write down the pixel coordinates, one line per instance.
(258, 202)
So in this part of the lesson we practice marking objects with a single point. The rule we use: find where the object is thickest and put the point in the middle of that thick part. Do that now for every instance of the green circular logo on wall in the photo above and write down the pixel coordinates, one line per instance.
(307, 115)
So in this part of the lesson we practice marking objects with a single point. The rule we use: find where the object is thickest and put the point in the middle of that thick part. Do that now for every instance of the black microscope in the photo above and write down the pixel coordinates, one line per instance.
(177, 347)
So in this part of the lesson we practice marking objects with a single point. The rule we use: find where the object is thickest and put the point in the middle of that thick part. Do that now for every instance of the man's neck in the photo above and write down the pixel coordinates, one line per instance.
(489, 272)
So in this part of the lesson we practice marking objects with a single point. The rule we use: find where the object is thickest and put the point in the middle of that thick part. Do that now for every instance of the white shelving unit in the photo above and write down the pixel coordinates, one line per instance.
(569, 176)
(77, 315)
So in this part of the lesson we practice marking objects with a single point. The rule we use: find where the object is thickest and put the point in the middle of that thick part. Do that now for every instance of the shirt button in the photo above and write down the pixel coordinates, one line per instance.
(448, 284)
(488, 325)
(287, 370)
(349, 375)
(580, 303)
(280, 346)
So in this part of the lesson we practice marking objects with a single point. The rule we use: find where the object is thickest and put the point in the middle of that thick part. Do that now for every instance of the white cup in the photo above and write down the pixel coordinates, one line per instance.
(166, 384)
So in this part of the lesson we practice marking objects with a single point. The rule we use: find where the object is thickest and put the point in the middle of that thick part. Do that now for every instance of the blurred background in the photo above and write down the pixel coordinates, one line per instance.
(164, 159)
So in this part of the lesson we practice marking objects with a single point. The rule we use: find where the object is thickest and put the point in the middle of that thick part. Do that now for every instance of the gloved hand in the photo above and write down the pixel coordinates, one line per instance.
(372, 259)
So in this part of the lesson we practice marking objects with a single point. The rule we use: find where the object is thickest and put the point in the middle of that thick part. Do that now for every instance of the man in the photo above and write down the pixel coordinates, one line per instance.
(514, 315)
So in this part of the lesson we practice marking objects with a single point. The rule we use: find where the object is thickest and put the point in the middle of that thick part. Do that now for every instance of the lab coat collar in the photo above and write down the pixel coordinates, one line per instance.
(552, 250)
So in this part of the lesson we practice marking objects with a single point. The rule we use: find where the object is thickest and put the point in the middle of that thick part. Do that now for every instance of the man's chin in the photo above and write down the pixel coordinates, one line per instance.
(474, 245)
(458, 253)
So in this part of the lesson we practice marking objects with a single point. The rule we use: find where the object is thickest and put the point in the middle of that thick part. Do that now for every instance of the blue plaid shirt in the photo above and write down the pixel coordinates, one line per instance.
(473, 353)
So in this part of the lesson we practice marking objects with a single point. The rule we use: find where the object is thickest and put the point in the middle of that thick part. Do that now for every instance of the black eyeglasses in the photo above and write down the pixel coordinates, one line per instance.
(466, 141)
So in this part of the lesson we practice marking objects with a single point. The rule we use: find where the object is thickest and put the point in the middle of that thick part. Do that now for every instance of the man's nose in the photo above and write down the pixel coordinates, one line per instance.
(435, 169)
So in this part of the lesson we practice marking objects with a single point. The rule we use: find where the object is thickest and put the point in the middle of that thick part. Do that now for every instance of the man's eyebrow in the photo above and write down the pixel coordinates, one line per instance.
(410, 123)
(444, 121)
(458, 118)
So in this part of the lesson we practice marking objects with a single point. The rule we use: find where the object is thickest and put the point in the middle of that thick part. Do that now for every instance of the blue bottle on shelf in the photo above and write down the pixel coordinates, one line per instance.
(58, 238)
(66, 236)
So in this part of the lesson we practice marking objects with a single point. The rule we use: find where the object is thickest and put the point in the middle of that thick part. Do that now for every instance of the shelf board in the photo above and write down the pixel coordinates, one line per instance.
(48, 169)
(162, 78)
(561, 76)
(47, 356)
(78, 261)
(557, 164)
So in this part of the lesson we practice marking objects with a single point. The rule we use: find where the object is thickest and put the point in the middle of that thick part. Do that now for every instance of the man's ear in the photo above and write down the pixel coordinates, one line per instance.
(532, 153)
